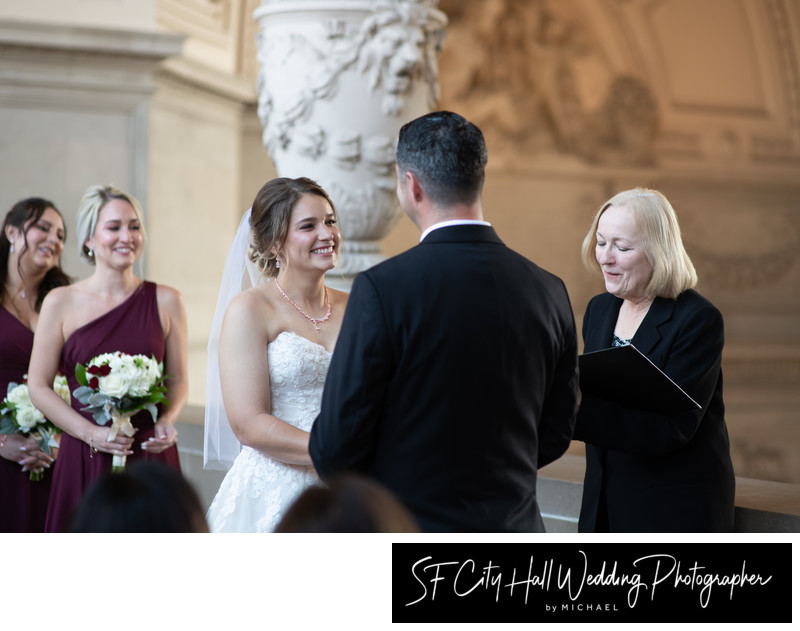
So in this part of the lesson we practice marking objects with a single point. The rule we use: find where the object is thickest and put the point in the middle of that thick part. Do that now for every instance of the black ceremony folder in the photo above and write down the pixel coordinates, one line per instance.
(625, 375)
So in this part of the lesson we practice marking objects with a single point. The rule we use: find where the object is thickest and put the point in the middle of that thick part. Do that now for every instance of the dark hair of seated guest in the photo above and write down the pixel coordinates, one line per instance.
(146, 497)
(349, 504)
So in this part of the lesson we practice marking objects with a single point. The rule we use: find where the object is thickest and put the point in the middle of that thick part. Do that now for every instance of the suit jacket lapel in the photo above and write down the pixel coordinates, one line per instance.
(648, 334)
(599, 337)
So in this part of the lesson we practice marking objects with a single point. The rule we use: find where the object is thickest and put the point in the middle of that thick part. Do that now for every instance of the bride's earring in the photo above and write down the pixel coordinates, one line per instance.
(277, 263)
(12, 248)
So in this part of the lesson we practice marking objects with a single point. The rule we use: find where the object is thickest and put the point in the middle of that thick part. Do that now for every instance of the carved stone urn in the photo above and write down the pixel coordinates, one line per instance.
(338, 79)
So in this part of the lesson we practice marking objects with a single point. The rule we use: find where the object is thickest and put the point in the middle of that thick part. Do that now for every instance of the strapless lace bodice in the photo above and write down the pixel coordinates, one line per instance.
(297, 370)
(257, 490)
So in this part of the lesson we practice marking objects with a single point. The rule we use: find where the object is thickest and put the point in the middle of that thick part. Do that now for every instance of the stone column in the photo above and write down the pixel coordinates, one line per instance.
(74, 106)
(338, 79)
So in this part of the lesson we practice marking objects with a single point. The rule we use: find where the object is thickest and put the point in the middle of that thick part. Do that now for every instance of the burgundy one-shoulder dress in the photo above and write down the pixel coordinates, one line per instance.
(23, 503)
(132, 327)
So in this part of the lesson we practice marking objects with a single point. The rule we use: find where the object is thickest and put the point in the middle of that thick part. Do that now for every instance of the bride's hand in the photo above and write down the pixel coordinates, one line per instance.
(165, 436)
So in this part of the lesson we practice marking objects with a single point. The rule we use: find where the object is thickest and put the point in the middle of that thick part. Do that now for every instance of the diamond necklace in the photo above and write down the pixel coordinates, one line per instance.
(315, 321)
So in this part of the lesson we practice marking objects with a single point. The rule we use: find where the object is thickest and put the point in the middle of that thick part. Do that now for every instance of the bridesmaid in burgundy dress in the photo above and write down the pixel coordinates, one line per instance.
(30, 246)
(110, 311)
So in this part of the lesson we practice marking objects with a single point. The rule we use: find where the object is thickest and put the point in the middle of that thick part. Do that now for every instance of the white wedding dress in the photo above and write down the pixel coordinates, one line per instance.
(257, 490)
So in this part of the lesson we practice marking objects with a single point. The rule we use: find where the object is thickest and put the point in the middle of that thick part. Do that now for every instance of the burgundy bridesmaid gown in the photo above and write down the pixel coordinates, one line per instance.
(132, 327)
(23, 504)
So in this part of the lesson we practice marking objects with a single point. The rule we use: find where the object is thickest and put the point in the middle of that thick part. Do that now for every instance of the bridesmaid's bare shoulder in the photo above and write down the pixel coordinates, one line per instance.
(66, 296)
(169, 296)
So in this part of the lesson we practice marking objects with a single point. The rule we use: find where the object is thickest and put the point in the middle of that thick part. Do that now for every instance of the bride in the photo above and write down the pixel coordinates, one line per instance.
(274, 348)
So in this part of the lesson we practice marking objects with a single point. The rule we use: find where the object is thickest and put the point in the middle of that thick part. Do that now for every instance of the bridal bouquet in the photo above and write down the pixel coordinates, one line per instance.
(19, 416)
(115, 386)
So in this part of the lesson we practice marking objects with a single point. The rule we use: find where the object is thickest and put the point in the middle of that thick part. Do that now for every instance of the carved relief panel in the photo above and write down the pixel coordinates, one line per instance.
(221, 32)
(534, 77)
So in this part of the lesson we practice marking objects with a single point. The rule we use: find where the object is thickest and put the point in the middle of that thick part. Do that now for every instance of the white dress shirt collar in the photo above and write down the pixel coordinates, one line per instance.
(453, 222)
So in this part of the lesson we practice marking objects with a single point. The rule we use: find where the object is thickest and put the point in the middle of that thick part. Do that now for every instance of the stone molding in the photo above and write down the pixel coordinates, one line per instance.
(61, 38)
(62, 66)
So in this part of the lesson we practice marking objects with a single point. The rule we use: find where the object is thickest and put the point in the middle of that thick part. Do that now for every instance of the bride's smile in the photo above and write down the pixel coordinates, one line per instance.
(313, 235)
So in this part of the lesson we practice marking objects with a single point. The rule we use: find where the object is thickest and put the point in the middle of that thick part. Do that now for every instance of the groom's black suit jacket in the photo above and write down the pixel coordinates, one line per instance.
(453, 380)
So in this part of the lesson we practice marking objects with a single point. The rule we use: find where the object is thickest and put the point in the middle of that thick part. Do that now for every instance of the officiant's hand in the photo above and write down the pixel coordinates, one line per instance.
(165, 436)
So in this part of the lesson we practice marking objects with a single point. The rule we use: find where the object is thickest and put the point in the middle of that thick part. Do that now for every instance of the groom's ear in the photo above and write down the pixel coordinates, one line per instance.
(415, 187)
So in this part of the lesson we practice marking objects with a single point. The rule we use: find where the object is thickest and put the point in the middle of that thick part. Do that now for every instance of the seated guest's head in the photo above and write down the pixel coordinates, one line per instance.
(349, 504)
(146, 497)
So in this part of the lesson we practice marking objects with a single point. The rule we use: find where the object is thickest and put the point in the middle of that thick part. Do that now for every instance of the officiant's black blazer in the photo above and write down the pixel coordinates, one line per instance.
(453, 380)
(658, 472)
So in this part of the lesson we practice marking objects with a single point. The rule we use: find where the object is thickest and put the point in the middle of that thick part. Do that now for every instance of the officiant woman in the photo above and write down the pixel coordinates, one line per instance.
(653, 471)
(30, 247)
(111, 310)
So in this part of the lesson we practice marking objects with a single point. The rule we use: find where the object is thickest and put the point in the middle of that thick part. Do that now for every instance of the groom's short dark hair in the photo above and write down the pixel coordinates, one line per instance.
(448, 155)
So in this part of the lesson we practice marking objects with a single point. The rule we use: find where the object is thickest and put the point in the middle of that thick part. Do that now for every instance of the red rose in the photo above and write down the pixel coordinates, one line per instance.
(93, 383)
(105, 369)
(93, 370)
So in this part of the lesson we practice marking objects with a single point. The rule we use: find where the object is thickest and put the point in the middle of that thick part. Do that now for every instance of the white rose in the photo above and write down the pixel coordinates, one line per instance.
(117, 362)
(140, 384)
(19, 395)
(100, 360)
(147, 373)
(113, 385)
(153, 371)
(28, 417)
(61, 388)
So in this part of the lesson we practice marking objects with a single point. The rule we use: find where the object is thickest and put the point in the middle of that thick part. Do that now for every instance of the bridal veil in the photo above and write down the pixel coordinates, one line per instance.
(221, 445)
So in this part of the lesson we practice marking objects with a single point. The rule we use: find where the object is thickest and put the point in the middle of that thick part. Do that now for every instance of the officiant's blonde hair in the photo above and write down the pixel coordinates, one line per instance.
(660, 234)
(93, 201)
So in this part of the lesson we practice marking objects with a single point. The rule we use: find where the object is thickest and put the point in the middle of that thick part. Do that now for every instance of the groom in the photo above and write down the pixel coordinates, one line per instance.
(455, 374)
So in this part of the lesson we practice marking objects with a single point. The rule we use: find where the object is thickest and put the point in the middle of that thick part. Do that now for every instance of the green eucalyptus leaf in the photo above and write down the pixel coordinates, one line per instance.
(83, 393)
(99, 399)
(101, 418)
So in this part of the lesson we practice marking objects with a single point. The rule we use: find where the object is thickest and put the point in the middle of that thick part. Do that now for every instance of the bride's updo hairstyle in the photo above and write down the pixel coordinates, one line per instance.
(269, 218)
